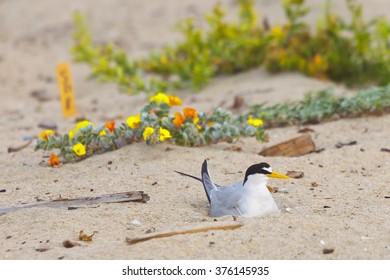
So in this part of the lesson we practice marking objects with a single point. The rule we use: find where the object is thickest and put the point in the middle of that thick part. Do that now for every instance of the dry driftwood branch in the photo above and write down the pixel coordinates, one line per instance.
(135, 196)
(291, 148)
(188, 230)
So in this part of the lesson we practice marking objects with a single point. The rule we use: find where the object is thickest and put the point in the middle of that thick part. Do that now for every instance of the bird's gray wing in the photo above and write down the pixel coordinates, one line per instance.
(226, 201)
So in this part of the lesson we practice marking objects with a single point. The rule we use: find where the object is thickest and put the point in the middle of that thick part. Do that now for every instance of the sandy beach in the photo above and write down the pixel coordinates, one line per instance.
(342, 203)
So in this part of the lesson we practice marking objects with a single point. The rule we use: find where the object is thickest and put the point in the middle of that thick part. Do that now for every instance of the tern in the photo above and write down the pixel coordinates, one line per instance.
(248, 198)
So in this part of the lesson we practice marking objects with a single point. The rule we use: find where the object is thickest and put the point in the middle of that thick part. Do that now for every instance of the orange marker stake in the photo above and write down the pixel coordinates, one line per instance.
(65, 84)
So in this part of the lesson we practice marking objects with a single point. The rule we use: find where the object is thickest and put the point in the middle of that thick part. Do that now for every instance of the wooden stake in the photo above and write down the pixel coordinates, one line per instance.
(188, 230)
(292, 148)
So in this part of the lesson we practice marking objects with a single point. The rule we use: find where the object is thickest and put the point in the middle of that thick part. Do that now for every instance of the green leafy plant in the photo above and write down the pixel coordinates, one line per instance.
(325, 105)
(154, 124)
(355, 52)
(224, 48)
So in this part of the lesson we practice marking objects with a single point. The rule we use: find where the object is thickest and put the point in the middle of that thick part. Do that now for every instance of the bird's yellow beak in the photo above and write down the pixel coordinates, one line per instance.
(278, 176)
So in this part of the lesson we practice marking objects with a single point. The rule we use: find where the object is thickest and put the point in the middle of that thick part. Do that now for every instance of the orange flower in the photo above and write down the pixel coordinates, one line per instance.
(110, 126)
(178, 119)
(190, 112)
(54, 161)
(174, 100)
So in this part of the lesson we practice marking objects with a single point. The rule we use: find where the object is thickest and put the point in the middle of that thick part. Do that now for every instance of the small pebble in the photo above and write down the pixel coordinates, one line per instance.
(70, 244)
(327, 251)
(136, 222)
(40, 94)
(288, 209)
(43, 248)
(48, 125)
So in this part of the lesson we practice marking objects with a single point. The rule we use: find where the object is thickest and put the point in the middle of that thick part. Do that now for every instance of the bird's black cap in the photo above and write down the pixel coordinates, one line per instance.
(259, 168)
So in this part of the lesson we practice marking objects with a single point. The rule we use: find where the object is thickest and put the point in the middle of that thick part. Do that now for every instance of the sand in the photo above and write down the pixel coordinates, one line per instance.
(347, 211)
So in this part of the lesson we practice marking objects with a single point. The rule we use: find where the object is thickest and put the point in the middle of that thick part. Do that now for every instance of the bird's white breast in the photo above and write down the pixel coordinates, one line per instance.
(256, 199)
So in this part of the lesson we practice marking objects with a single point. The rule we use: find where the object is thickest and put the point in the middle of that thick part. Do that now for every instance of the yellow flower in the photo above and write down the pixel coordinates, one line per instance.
(79, 125)
(195, 121)
(71, 134)
(164, 60)
(148, 131)
(83, 124)
(255, 122)
(174, 100)
(164, 133)
(160, 98)
(79, 149)
(44, 135)
(134, 121)
(277, 32)
(102, 132)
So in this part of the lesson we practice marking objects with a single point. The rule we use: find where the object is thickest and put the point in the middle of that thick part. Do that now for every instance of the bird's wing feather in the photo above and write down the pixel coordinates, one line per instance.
(226, 201)
(208, 183)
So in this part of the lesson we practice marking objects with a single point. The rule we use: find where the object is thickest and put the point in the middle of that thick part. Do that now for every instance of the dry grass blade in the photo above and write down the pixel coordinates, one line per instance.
(189, 230)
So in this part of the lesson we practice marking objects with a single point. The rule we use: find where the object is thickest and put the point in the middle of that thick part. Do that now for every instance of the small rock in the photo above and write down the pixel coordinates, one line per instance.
(70, 244)
(239, 102)
(152, 229)
(136, 222)
(305, 130)
(48, 125)
(43, 248)
(295, 174)
(283, 190)
(288, 209)
(41, 95)
(340, 145)
(328, 251)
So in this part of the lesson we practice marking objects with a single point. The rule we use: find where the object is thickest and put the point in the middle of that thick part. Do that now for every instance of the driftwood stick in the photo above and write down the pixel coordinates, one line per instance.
(291, 148)
(135, 196)
(17, 149)
(189, 230)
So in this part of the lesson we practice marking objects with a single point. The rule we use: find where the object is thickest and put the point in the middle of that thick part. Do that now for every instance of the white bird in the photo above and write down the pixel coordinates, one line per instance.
(248, 198)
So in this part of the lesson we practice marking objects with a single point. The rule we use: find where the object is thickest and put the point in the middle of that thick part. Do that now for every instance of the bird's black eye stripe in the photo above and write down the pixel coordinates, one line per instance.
(258, 168)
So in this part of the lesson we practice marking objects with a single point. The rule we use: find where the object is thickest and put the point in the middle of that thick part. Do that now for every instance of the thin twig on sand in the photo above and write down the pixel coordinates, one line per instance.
(188, 230)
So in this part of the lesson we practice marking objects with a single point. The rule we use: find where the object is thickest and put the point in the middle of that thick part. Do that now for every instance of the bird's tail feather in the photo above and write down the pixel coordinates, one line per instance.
(188, 175)
(206, 180)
